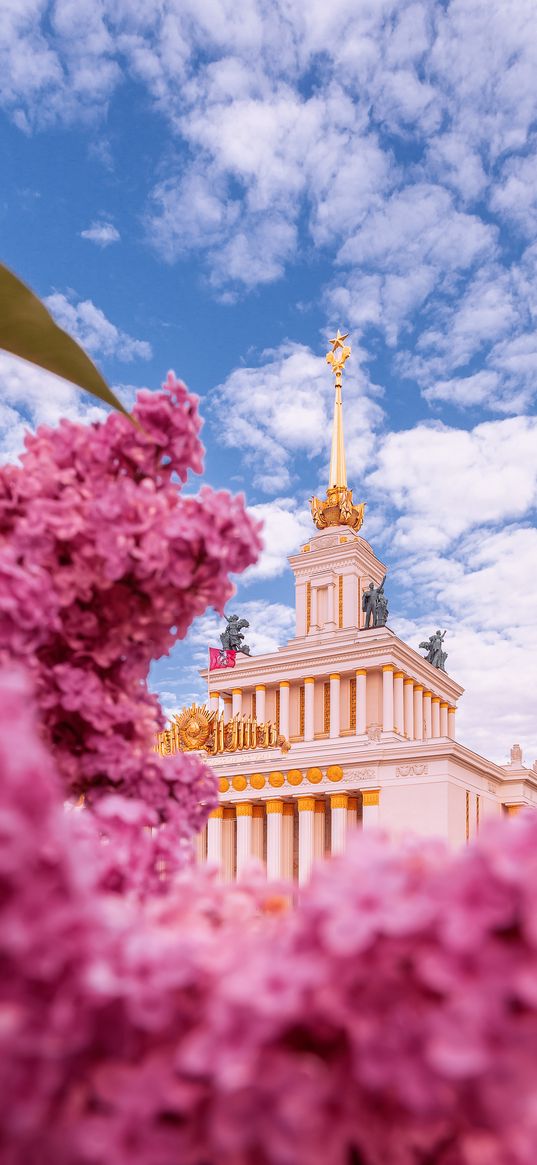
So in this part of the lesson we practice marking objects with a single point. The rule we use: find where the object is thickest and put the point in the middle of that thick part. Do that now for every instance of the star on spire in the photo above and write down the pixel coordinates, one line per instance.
(338, 340)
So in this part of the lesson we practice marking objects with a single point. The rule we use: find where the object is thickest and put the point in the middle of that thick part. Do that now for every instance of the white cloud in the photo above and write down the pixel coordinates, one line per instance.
(102, 233)
(286, 524)
(447, 481)
(31, 397)
(89, 325)
(282, 410)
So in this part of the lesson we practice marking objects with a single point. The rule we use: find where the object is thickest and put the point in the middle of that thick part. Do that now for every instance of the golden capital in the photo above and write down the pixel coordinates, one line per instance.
(339, 801)
(244, 809)
(371, 796)
(306, 804)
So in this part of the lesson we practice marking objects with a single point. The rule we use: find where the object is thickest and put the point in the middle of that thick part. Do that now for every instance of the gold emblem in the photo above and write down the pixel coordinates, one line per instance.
(193, 725)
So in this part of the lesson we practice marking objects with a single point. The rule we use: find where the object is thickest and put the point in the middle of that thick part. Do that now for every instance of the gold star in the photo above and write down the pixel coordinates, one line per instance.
(338, 340)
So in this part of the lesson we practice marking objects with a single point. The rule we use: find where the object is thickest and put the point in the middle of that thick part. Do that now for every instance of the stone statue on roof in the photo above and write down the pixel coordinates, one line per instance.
(434, 646)
(375, 605)
(232, 639)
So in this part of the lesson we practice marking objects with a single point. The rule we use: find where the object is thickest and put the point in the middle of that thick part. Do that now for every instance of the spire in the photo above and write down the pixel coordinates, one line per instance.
(338, 509)
(338, 470)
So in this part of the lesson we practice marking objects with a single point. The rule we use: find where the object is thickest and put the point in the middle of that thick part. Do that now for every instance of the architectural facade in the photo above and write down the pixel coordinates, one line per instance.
(366, 726)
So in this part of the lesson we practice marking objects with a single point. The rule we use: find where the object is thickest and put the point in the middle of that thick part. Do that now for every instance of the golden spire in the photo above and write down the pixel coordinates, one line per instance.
(337, 361)
(338, 509)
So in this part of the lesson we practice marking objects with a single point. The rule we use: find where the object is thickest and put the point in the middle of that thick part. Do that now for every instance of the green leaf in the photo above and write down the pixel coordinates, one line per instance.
(27, 329)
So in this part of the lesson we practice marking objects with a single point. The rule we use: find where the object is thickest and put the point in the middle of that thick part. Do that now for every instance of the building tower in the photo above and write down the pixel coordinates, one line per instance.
(364, 727)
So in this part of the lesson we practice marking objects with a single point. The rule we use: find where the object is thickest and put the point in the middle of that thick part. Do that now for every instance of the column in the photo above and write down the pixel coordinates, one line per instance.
(398, 713)
(308, 708)
(387, 697)
(408, 698)
(370, 808)
(334, 705)
(213, 701)
(260, 703)
(226, 700)
(258, 821)
(288, 829)
(339, 803)
(451, 722)
(274, 839)
(361, 701)
(229, 861)
(236, 701)
(284, 708)
(201, 846)
(244, 834)
(444, 718)
(314, 618)
(330, 621)
(352, 813)
(435, 716)
(318, 830)
(214, 836)
(306, 813)
(418, 712)
(427, 716)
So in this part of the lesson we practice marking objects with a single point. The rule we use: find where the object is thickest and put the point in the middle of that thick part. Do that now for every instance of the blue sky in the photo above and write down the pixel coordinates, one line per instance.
(216, 187)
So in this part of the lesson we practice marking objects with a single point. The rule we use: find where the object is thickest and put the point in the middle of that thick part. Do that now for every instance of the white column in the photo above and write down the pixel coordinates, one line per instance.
(309, 708)
(334, 705)
(274, 839)
(258, 821)
(435, 716)
(226, 700)
(330, 621)
(451, 722)
(361, 701)
(314, 618)
(370, 808)
(398, 708)
(352, 813)
(318, 830)
(284, 708)
(201, 846)
(409, 708)
(236, 701)
(306, 813)
(214, 836)
(339, 804)
(387, 698)
(260, 703)
(244, 835)
(213, 702)
(301, 591)
(288, 839)
(444, 718)
(418, 712)
(427, 718)
(229, 835)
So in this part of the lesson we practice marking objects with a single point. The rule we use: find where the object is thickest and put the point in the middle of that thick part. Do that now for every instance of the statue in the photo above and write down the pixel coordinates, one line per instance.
(232, 638)
(434, 648)
(375, 605)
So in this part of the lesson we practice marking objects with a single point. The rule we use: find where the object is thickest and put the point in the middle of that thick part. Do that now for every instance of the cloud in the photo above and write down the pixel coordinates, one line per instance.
(102, 233)
(282, 411)
(89, 325)
(32, 397)
(444, 481)
(286, 524)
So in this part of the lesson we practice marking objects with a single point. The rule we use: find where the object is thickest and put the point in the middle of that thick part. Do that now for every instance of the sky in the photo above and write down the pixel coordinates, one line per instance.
(215, 188)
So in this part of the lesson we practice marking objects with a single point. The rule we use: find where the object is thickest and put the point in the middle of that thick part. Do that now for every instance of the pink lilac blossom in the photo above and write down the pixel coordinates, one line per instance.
(390, 1018)
(103, 566)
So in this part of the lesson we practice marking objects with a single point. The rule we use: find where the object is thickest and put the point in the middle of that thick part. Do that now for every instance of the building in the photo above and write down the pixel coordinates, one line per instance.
(365, 727)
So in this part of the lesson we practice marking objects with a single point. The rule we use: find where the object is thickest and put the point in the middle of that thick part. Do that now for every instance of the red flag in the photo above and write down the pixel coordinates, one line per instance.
(221, 657)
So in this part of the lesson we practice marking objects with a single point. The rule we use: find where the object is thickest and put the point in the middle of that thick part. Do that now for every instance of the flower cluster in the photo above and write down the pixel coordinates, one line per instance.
(391, 1017)
(103, 565)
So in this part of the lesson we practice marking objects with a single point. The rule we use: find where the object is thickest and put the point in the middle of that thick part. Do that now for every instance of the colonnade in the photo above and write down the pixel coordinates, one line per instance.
(287, 835)
(407, 707)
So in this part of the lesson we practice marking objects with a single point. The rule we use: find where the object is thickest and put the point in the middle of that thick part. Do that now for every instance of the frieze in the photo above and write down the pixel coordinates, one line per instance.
(492, 788)
(362, 774)
(417, 770)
